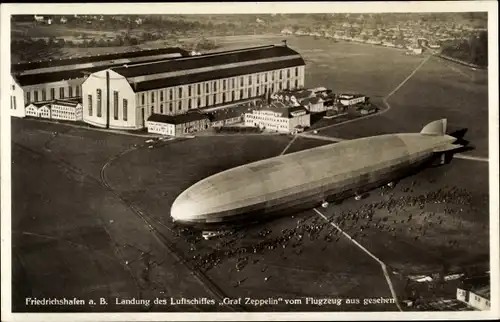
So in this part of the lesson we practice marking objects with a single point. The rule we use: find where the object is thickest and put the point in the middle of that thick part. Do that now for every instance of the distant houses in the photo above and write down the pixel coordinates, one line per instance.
(314, 100)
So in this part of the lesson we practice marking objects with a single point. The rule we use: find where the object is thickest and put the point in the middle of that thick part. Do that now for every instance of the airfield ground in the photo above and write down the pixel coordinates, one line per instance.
(77, 215)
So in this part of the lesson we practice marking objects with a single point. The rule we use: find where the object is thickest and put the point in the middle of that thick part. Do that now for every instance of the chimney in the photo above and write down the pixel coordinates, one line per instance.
(284, 42)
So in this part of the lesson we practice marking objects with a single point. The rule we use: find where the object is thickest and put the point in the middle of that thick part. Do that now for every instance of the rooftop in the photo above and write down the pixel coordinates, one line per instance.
(213, 74)
(90, 59)
(178, 119)
(207, 60)
(179, 71)
(350, 96)
(49, 77)
(479, 285)
(283, 111)
(70, 101)
(228, 113)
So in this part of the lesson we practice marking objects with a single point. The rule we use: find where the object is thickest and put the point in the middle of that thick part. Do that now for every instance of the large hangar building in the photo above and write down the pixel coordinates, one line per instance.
(62, 79)
(126, 97)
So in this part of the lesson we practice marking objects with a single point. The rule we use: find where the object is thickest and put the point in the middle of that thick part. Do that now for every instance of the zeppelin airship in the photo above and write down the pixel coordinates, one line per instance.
(289, 183)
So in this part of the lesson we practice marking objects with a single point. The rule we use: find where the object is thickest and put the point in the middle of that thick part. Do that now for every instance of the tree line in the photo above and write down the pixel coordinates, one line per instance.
(473, 50)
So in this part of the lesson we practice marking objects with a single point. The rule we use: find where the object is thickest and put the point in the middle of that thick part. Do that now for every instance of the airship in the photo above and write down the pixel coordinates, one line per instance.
(303, 180)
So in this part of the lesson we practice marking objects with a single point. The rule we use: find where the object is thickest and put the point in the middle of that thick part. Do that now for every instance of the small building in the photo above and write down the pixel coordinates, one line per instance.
(293, 96)
(351, 99)
(314, 104)
(285, 120)
(475, 292)
(44, 112)
(227, 116)
(67, 110)
(417, 51)
(177, 125)
(33, 109)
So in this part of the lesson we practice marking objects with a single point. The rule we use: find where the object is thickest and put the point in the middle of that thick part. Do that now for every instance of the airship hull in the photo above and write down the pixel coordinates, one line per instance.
(293, 182)
(306, 199)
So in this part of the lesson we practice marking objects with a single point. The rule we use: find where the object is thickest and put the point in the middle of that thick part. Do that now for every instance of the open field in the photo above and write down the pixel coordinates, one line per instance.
(435, 91)
(151, 179)
(69, 226)
(421, 240)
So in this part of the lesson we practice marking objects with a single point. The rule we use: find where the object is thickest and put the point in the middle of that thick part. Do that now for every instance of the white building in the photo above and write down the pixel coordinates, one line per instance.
(285, 120)
(33, 109)
(39, 110)
(478, 298)
(125, 97)
(475, 292)
(44, 112)
(16, 99)
(66, 110)
(314, 104)
(351, 99)
(62, 78)
(177, 125)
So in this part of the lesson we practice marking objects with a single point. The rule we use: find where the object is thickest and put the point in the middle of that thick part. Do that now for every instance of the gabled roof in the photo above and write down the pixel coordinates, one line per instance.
(33, 79)
(178, 119)
(69, 103)
(206, 60)
(227, 113)
(213, 75)
(283, 111)
(96, 58)
(180, 71)
(39, 104)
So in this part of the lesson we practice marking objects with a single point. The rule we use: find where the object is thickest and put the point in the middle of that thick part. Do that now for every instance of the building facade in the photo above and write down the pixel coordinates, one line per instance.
(178, 125)
(285, 120)
(478, 300)
(44, 112)
(63, 78)
(179, 86)
(66, 110)
(16, 99)
(348, 99)
(33, 109)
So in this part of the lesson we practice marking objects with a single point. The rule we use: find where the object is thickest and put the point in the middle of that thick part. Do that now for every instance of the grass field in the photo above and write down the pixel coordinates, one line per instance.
(67, 223)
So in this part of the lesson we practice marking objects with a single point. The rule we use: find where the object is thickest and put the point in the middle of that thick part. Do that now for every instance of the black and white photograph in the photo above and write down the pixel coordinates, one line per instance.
(248, 161)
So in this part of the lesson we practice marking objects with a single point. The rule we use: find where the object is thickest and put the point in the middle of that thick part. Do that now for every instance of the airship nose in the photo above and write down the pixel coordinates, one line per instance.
(183, 208)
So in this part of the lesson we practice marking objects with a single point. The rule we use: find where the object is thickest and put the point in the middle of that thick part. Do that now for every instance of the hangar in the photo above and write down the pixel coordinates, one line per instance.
(126, 97)
(62, 79)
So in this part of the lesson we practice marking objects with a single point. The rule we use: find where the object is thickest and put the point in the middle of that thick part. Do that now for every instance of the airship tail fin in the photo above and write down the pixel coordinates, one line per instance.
(435, 128)
(448, 147)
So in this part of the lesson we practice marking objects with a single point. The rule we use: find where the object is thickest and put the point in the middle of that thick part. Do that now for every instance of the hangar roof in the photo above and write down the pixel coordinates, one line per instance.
(90, 59)
(213, 75)
(33, 79)
(207, 60)
(193, 69)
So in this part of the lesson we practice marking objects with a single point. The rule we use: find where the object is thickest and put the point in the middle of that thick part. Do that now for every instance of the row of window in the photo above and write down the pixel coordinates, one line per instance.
(212, 99)
(272, 119)
(163, 129)
(62, 113)
(43, 94)
(231, 83)
(90, 105)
